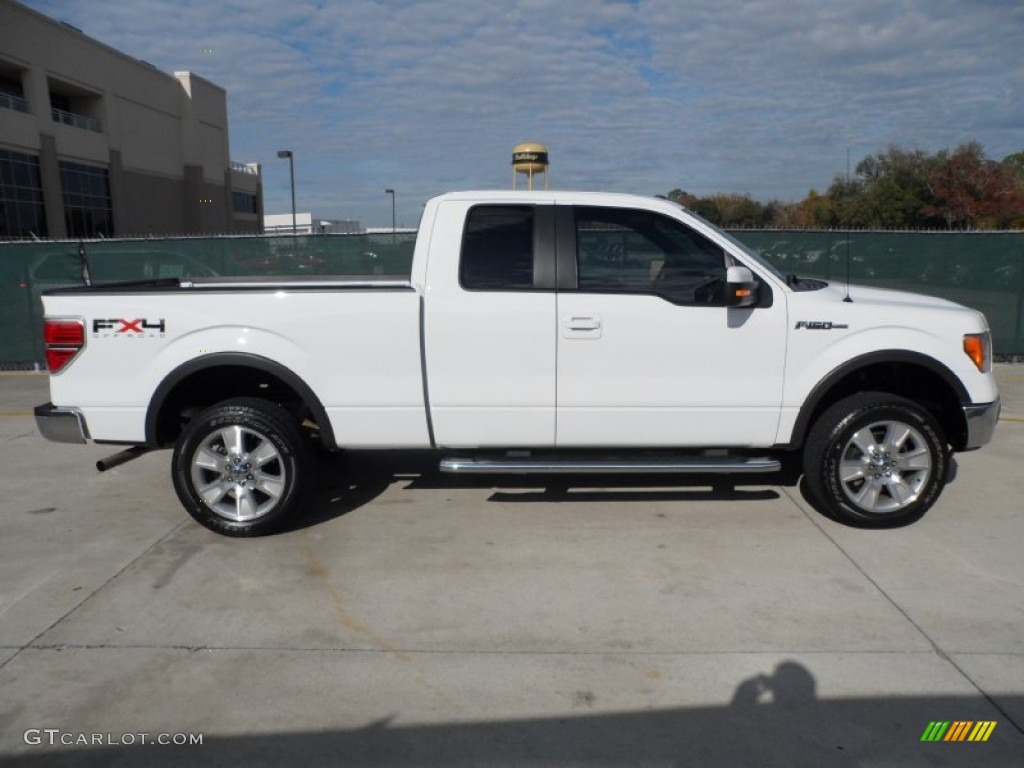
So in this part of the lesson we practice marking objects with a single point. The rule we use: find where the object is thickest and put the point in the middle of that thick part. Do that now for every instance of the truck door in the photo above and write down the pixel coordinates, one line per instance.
(488, 325)
(648, 354)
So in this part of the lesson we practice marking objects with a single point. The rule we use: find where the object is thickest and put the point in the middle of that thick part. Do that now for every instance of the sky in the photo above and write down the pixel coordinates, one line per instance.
(758, 97)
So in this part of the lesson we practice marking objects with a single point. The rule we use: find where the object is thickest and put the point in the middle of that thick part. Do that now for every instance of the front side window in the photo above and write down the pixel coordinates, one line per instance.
(633, 251)
(497, 248)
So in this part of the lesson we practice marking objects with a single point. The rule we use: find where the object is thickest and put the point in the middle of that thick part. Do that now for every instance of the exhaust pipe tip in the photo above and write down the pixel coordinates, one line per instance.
(122, 457)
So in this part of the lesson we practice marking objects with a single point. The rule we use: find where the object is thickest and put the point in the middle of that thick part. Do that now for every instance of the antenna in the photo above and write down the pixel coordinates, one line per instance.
(847, 298)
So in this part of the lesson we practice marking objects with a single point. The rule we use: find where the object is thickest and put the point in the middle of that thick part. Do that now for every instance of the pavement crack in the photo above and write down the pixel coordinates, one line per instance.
(404, 654)
(33, 642)
(881, 590)
(347, 621)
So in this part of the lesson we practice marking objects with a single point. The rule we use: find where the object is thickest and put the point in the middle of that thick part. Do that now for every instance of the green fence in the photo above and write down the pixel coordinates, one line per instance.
(29, 269)
(981, 270)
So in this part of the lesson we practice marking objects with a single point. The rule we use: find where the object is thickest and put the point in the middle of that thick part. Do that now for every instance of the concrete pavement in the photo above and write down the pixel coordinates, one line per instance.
(415, 619)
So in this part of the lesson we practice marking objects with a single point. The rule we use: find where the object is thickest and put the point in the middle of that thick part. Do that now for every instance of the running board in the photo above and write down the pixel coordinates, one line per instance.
(512, 465)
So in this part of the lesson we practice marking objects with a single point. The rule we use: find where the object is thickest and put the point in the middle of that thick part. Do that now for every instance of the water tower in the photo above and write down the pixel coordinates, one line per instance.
(529, 159)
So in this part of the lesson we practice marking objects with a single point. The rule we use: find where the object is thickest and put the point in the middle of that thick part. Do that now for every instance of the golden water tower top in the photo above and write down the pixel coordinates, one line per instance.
(529, 159)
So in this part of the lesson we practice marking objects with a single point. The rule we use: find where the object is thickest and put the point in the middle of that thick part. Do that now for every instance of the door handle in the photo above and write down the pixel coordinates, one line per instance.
(583, 323)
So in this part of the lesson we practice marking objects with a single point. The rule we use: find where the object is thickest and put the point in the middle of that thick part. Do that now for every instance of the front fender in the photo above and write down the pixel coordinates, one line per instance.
(809, 380)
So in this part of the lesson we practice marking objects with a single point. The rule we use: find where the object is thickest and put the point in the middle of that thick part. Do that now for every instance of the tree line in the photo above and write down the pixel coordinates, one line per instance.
(960, 189)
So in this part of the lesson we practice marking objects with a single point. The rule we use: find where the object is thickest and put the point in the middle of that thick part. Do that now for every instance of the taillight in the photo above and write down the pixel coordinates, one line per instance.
(64, 338)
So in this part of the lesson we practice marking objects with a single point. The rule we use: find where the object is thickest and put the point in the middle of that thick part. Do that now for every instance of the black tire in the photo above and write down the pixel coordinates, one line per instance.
(875, 460)
(250, 460)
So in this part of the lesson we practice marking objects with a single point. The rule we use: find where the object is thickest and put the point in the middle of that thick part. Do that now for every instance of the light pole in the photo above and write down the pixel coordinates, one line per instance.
(283, 153)
(392, 193)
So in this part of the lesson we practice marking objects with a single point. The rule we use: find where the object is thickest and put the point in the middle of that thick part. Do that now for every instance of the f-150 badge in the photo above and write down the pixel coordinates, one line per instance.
(818, 325)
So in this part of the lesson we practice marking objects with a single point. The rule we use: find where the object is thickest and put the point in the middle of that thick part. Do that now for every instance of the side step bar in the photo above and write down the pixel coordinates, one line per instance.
(512, 465)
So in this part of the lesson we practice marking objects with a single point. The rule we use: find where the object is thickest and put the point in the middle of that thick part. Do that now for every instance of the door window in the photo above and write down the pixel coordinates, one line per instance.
(633, 251)
(497, 248)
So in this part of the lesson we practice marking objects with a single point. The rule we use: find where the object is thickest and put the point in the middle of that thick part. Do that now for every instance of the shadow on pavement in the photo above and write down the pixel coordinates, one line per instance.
(351, 480)
(773, 719)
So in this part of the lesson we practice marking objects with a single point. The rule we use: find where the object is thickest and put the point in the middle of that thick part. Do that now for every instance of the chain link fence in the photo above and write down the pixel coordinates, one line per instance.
(983, 270)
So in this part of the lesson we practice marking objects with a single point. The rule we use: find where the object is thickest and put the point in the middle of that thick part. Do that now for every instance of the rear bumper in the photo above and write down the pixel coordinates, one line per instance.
(981, 423)
(61, 425)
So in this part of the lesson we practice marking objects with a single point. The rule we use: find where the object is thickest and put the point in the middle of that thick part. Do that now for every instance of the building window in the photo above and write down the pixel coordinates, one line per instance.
(75, 107)
(11, 94)
(87, 209)
(244, 202)
(60, 101)
(22, 213)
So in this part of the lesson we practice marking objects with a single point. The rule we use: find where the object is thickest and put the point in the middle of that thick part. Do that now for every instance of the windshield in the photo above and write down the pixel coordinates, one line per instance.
(746, 249)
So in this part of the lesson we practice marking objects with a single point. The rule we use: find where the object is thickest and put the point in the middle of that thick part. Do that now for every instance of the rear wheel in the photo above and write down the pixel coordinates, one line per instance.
(241, 468)
(876, 460)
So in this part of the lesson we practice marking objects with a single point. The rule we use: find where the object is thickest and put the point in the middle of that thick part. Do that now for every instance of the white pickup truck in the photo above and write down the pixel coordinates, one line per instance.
(538, 332)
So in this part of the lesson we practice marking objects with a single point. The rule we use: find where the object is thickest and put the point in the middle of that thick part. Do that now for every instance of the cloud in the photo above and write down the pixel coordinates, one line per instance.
(740, 95)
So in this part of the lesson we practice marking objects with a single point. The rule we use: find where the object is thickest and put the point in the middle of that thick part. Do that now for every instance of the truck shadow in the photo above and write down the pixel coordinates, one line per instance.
(349, 481)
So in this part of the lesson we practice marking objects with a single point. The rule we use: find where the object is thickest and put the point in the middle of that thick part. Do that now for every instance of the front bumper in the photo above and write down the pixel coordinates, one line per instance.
(981, 423)
(61, 425)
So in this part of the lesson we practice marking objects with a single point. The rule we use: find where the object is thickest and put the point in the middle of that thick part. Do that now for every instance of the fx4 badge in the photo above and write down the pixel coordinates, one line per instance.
(117, 327)
(818, 325)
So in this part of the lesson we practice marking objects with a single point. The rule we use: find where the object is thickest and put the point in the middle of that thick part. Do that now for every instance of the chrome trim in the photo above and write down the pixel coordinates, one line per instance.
(611, 466)
(981, 423)
(61, 425)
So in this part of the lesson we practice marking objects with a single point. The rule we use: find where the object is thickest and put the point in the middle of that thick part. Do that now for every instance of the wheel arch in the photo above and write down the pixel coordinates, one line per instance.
(912, 375)
(203, 381)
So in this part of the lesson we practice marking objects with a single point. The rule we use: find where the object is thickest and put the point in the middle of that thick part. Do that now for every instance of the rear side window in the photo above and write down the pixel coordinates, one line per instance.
(497, 248)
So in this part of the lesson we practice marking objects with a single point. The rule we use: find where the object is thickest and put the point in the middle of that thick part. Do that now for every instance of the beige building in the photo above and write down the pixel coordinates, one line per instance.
(94, 142)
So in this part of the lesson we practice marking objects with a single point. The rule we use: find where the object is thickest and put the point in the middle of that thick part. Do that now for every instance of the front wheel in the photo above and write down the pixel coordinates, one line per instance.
(241, 468)
(875, 460)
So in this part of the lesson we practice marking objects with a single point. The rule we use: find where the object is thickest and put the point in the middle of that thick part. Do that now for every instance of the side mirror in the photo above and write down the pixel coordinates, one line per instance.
(740, 287)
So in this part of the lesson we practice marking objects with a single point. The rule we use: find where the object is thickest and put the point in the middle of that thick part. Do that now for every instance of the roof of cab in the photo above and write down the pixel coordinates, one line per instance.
(567, 197)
